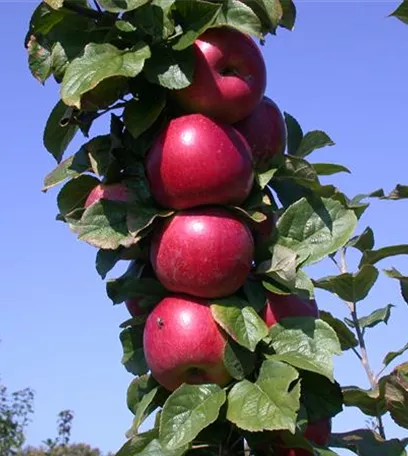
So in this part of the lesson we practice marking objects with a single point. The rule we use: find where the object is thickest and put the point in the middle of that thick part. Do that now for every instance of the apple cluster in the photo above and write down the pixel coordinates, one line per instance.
(202, 166)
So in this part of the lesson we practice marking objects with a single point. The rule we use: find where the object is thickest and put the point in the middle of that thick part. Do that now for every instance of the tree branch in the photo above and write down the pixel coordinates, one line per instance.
(87, 12)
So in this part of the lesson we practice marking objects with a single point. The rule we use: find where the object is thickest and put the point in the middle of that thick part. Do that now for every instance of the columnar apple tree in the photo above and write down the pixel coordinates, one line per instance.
(204, 186)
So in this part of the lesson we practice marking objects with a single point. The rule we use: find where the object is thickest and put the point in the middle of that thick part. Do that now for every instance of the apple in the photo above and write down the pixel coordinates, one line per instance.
(229, 77)
(183, 344)
(113, 192)
(133, 305)
(198, 161)
(204, 252)
(278, 307)
(265, 131)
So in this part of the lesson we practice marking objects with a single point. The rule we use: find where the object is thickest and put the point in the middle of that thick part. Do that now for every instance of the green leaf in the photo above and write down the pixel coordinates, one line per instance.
(376, 317)
(305, 343)
(240, 321)
(100, 62)
(188, 411)
(195, 18)
(58, 134)
(56, 4)
(148, 444)
(401, 12)
(271, 403)
(403, 280)
(255, 294)
(264, 178)
(139, 115)
(239, 361)
(298, 169)
(133, 356)
(289, 14)
(71, 167)
(106, 260)
(389, 358)
(400, 191)
(346, 337)
(141, 217)
(350, 287)
(236, 14)
(120, 6)
(363, 242)
(171, 69)
(396, 395)
(74, 193)
(39, 59)
(295, 133)
(311, 141)
(374, 256)
(369, 402)
(365, 442)
(281, 266)
(103, 225)
(315, 228)
(269, 11)
(140, 398)
(328, 169)
(321, 398)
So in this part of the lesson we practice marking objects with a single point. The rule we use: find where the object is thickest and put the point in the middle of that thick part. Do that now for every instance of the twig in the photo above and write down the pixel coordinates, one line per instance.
(83, 11)
(97, 6)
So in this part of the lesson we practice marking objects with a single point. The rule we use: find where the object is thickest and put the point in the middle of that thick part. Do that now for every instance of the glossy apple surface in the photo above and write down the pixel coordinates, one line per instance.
(198, 161)
(205, 252)
(183, 344)
(229, 77)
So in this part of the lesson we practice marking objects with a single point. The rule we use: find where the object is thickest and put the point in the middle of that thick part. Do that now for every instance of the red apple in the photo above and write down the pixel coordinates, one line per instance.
(265, 131)
(198, 161)
(113, 192)
(278, 307)
(204, 252)
(183, 344)
(229, 77)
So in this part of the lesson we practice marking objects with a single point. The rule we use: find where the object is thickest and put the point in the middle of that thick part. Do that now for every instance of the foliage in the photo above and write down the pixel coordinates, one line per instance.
(127, 56)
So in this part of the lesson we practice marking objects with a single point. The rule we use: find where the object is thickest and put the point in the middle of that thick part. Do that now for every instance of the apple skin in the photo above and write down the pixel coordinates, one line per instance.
(198, 161)
(265, 131)
(278, 307)
(204, 252)
(229, 77)
(112, 192)
(183, 344)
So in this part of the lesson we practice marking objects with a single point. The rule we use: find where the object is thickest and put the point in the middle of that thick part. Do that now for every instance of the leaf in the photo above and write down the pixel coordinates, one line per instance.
(346, 337)
(374, 256)
(389, 358)
(141, 217)
(350, 287)
(140, 398)
(264, 178)
(195, 18)
(365, 442)
(328, 169)
(295, 133)
(396, 395)
(363, 242)
(39, 60)
(376, 317)
(311, 141)
(321, 398)
(298, 169)
(188, 411)
(255, 294)
(120, 6)
(100, 62)
(106, 260)
(281, 267)
(403, 280)
(369, 402)
(103, 225)
(57, 136)
(305, 343)
(271, 403)
(133, 356)
(56, 4)
(148, 444)
(139, 115)
(74, 193)
(71, 167)
(236, 14)
(401, 12)
(315, 228)
(238, 361)
(289, 14)
(171, 69)
(269, 11)
(240, 321)
(400, 191)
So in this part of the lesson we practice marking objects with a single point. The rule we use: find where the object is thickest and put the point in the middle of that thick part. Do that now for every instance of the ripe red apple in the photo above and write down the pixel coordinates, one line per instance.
(183, 344)
(278, 307)
(198, 161)
(113, 192)
(265, 131)
(229, 77)
(204, 252)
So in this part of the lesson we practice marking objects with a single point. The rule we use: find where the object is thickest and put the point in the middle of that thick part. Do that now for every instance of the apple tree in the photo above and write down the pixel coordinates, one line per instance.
(205, 187)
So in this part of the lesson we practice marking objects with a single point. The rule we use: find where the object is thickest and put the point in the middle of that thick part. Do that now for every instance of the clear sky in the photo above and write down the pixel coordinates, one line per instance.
(343, 70)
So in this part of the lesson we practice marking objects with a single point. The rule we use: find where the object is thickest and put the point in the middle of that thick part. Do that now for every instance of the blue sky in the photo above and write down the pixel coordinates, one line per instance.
(342, 70)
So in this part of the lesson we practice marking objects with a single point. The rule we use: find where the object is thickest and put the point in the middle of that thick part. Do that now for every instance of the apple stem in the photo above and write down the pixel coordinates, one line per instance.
(363, 354)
